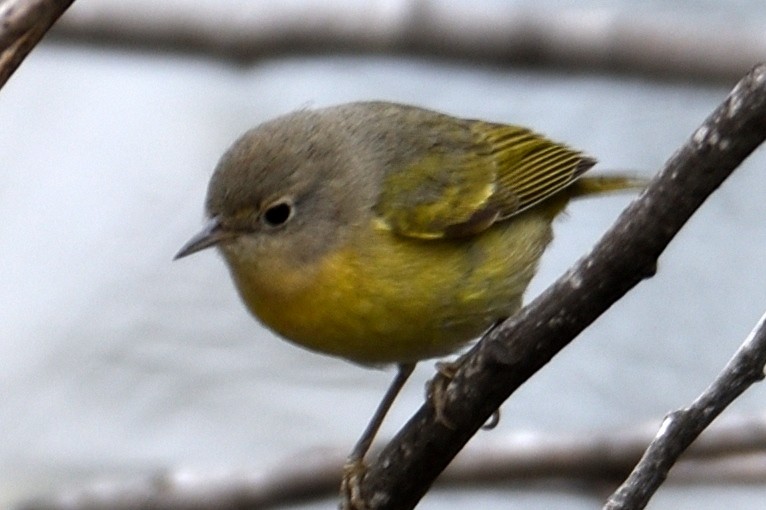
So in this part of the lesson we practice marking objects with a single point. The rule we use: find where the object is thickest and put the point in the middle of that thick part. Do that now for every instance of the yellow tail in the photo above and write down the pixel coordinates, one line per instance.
(598, 184)
(590, 186)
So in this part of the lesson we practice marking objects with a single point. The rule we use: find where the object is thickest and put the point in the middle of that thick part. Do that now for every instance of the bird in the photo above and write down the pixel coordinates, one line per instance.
(386, 233)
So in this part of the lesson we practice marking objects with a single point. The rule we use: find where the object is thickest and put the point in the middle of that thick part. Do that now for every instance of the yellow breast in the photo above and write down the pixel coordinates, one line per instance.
(382, 298)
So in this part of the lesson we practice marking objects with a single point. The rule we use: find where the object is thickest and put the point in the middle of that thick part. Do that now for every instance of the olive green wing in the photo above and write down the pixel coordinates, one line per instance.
(458, 188)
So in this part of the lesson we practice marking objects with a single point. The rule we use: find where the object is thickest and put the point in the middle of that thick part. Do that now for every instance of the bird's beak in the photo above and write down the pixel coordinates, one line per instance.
(211, 235)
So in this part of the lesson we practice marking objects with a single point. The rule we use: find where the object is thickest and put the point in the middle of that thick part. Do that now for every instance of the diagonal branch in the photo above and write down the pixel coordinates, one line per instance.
(22, 24)
(628, 252)
(682, 427)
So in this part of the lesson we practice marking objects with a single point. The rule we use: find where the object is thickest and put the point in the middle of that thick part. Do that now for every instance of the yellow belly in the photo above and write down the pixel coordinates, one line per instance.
(382, 298)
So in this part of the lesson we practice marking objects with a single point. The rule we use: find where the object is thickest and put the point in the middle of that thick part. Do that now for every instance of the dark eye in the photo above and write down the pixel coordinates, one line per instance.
(277, 214)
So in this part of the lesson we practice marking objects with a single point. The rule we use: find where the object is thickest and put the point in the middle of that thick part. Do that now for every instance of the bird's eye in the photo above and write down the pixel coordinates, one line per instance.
(277, 214)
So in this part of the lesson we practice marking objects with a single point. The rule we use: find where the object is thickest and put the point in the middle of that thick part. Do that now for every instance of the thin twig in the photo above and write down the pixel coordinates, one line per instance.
(682, 427)
(626, 254)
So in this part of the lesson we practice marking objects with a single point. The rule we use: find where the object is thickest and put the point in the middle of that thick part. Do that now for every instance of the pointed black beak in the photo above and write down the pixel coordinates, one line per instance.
(211, 235)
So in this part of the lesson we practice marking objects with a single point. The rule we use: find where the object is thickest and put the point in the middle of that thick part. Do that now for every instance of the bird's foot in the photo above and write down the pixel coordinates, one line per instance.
(436, 389)
(436, 393)
(350, 488)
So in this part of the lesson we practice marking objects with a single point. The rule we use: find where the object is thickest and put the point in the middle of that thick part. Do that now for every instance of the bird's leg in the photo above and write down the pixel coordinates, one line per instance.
(354, 469)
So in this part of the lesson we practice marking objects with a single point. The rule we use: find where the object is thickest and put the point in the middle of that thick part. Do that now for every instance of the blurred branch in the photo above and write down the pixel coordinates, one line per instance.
(22, 24)
(511, 353)
(680, 428)
(734, 451)
(583, 39)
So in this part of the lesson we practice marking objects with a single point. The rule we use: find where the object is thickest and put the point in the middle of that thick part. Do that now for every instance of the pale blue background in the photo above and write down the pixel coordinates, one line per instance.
(115, 361)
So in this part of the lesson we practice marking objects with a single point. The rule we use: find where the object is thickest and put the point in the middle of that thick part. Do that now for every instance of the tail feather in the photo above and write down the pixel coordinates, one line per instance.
(590, 186)
(599, 184)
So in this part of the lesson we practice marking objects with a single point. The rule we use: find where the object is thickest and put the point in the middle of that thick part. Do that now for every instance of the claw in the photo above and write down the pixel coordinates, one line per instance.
(436, 393)
(436, 389)
(493, 421)
(350, 487)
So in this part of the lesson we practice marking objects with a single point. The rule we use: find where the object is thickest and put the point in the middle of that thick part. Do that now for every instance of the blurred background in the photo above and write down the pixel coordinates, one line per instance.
(117, 362)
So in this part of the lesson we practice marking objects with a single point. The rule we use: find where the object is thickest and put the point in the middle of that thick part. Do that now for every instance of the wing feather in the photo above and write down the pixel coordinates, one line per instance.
(474, 176)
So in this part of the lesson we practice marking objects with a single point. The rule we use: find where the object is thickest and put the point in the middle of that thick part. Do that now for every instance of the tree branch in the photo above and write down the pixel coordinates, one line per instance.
(683, 426)
(511, 353)
(732, 451)
(22, 24)
(581, 38)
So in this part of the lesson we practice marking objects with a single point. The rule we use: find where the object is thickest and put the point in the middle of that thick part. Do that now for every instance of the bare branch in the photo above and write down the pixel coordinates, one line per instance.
(605, 458)
(595, 39)
(16, 18)
(683, 426)
(22, 24)
(732, 451)
(625, 255)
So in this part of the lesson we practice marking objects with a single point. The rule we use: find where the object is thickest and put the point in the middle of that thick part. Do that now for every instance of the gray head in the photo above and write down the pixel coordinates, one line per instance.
(290, 187)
